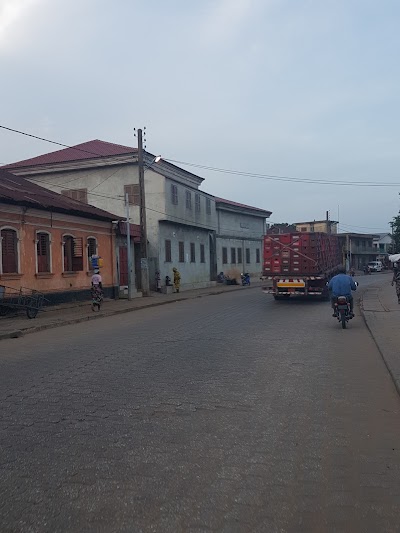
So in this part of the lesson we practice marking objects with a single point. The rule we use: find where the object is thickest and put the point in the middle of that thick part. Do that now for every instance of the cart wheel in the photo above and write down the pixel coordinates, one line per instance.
(31, 312)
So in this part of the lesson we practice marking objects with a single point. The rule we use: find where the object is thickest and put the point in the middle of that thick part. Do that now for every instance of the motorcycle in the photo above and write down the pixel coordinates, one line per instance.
(245, 279)
(343, 310)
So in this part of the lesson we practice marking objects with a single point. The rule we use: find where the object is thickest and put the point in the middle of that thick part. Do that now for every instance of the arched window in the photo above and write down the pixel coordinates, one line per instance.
(43, 252)
(73, 253)
(9, 251)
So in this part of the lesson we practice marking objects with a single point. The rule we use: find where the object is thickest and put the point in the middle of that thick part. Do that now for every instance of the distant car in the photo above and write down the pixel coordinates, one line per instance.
(375, 266)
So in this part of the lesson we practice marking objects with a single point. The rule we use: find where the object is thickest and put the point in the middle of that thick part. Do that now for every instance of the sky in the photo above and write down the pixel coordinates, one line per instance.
(306, 89)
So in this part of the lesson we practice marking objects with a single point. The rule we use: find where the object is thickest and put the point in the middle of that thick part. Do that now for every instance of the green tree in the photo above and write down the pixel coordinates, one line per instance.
(395, 225)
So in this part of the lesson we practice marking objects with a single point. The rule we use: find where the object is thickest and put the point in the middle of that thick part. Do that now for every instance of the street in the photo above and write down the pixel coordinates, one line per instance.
(229, 413)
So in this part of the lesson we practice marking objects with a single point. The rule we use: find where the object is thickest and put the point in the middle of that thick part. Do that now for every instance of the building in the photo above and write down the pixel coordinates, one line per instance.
(323, 226)
(182, 220)
(48, 241)
(383, 244)
(357, 249)
(277, 229)
(239, 237)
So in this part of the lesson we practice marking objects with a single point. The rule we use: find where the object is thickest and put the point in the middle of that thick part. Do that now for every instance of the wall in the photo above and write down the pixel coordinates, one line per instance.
(240, 225)
(253, 268)
(28, 222)
(193, 275)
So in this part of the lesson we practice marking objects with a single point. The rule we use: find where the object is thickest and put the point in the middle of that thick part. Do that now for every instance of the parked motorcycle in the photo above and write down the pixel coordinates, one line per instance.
(245, 278)
(343, 310)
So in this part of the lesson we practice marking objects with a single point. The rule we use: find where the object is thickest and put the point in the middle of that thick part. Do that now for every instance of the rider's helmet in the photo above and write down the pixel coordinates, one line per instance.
(341, 269)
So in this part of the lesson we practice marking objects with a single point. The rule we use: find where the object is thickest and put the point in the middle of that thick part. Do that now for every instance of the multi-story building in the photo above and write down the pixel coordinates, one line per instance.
(186, 227)
(357, 249)
(323, 226)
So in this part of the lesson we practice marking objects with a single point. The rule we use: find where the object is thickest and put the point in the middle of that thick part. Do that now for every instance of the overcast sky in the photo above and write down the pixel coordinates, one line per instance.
(301, 88)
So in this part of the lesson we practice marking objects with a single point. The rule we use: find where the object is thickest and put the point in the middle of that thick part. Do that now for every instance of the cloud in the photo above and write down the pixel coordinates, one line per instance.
(11, 13)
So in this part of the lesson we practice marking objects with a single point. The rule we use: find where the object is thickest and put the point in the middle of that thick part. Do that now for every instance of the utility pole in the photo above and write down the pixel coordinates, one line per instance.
(144, 266)
(128, 247)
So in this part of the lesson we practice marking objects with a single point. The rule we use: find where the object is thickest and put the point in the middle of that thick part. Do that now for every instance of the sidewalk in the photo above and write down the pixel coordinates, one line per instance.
(73, 313)
(382, 315)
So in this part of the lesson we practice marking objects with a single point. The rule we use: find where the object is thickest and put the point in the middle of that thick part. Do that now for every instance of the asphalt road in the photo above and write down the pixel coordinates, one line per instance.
(229, 413)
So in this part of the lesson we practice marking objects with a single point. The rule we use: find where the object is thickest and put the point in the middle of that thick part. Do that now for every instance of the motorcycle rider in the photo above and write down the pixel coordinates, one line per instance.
(342, 285)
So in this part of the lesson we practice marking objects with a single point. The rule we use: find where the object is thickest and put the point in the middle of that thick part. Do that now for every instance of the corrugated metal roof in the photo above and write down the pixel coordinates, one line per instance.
(236, 204)
(88, 150)
(17, 190)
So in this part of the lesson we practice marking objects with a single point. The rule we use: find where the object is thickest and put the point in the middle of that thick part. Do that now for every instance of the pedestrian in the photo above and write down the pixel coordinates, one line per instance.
(177, 279)
(97, 290)
(158, 281)
(396, 280)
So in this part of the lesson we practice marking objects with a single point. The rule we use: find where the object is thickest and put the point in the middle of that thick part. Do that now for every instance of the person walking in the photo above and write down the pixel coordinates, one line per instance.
(97, 290)
(396, 280)
(177, 279)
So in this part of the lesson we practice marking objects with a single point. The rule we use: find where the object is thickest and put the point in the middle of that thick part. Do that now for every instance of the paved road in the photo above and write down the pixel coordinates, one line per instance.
(231, 413)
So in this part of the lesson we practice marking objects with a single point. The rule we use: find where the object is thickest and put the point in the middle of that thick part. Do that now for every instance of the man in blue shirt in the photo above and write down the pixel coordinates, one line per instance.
(342, 285)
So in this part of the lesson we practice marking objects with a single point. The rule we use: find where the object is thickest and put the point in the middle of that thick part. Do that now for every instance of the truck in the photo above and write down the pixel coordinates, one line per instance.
(299, 264)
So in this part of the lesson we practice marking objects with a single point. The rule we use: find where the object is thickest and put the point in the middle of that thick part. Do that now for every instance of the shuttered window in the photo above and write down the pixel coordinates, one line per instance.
(202, 254)
(257, 255)
(239, 255)
(181, 252)
(92, 246)
(73, 254)
(77, 194)
(233, 256)
(168, 257)
(248, 256)
(174, 194)
(133, 192)
(43, 252)
(188, 200)
(192, 252)
(225, 256)
(198, 205)
(9, 251)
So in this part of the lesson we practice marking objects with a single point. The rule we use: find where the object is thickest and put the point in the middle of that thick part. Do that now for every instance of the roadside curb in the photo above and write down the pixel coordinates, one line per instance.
(385, 356)
(14, 334)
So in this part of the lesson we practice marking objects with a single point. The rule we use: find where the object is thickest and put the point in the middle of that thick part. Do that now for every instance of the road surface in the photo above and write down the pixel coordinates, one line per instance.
(229, 413)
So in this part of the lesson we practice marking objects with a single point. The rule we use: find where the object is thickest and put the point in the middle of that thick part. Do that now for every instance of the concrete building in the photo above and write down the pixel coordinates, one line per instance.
(48, 241)
(383, 244)
(323, 226)
(186, 227)
(357, 249)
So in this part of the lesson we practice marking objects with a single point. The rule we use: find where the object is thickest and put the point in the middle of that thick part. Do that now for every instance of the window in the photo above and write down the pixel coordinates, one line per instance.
(168, 257)
(202, 253)
(233, 256)
(239, 256)
(192, 252)
(181, 252)
(208, 206)
(303, 229)
(248, 256)
(77, 194)
(43, 252)
(257, 255)
(224, 256)
(197, 196)
(174, 194)
(133, 192)
(91, 250)
(9, 251)
(188, 200)
(73, 254)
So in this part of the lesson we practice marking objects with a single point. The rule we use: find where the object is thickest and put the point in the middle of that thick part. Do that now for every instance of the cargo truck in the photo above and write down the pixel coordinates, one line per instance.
(299, 264)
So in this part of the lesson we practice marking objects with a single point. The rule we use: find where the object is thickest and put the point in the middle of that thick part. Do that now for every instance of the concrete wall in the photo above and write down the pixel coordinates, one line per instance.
(234, 269)
(239, 225)
(193, 275)
(181, 214)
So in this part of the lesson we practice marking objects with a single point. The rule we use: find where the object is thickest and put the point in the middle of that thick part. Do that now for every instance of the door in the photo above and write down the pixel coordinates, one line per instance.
(213, 258)
(123, 266)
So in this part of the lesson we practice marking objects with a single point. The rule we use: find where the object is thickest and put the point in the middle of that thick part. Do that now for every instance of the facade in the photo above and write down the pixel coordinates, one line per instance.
(383, 244)
(47, 241)
(357, 249)
(186, 227)
(239, 238)
(323, 226)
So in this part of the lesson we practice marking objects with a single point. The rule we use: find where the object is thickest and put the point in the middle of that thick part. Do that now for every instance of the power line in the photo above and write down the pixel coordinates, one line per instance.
(273, 177)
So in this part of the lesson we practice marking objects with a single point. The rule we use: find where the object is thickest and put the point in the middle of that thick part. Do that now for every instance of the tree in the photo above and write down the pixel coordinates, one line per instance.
(395, 225)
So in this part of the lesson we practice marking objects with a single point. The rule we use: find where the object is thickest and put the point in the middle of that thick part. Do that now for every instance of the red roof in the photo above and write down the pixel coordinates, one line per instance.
(87, 150)
(17, 190)
(235, 204)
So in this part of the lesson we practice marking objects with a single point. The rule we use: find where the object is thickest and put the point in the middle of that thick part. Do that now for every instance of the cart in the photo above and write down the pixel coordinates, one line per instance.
(24, 299)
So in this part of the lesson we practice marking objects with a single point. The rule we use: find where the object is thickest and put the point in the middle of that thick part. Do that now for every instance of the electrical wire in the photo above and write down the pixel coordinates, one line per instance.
(273, 177)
